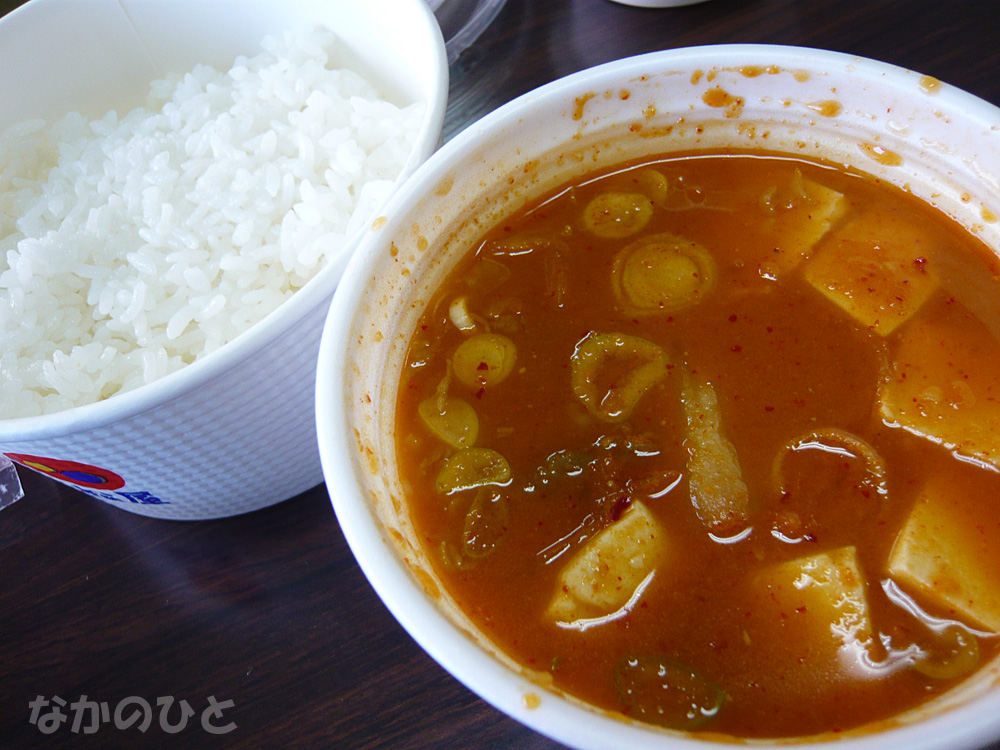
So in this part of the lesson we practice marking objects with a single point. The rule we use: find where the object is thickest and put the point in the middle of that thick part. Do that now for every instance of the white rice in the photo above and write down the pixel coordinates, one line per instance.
(131, 247)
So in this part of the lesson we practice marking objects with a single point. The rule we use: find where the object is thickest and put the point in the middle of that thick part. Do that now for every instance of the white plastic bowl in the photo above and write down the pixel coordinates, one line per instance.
(234, 431)
(940, 143)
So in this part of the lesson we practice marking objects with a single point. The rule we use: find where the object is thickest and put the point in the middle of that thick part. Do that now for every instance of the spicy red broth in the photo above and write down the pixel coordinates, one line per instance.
(713, 440)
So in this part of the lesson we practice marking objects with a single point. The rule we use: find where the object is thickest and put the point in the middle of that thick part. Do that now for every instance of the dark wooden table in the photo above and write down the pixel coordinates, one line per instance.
(269, 610)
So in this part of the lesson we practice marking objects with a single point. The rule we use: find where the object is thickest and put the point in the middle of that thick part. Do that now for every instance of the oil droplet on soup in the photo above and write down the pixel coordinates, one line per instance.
(706, 437)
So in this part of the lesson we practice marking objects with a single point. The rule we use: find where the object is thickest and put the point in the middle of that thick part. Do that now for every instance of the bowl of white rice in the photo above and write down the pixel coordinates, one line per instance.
(181, 185)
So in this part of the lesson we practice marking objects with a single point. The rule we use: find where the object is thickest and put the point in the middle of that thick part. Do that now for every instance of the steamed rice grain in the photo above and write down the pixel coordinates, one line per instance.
(130, 247)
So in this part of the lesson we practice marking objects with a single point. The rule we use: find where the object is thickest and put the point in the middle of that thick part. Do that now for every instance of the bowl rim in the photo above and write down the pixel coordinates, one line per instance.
(315, 292)
(967, 726)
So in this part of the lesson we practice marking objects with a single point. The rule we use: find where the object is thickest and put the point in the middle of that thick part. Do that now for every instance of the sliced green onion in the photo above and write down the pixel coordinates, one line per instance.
(611, 372)
(485, 523)
(484, 359)
(614, 215)
(838, 442)
(662, 273)
(955, 654)
(666, 692)
(470, 468)
(451, 419)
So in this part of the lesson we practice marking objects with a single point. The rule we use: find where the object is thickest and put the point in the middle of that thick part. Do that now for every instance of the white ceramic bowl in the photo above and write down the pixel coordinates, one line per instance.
(939, 142)
(235, 430)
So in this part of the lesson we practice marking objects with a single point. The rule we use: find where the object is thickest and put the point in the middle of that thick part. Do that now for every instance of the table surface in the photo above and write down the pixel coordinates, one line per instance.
(269, 610)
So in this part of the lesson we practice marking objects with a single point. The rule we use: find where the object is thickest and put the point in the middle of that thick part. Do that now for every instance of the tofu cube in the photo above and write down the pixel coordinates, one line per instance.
(875, 268)
(821, 598)
(605, 574)
(944, 385)
(947, 554)
(801, 213)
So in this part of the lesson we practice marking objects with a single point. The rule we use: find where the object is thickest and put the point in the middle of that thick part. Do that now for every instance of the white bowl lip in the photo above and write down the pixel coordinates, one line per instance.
(317, 291)
(965, 727)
